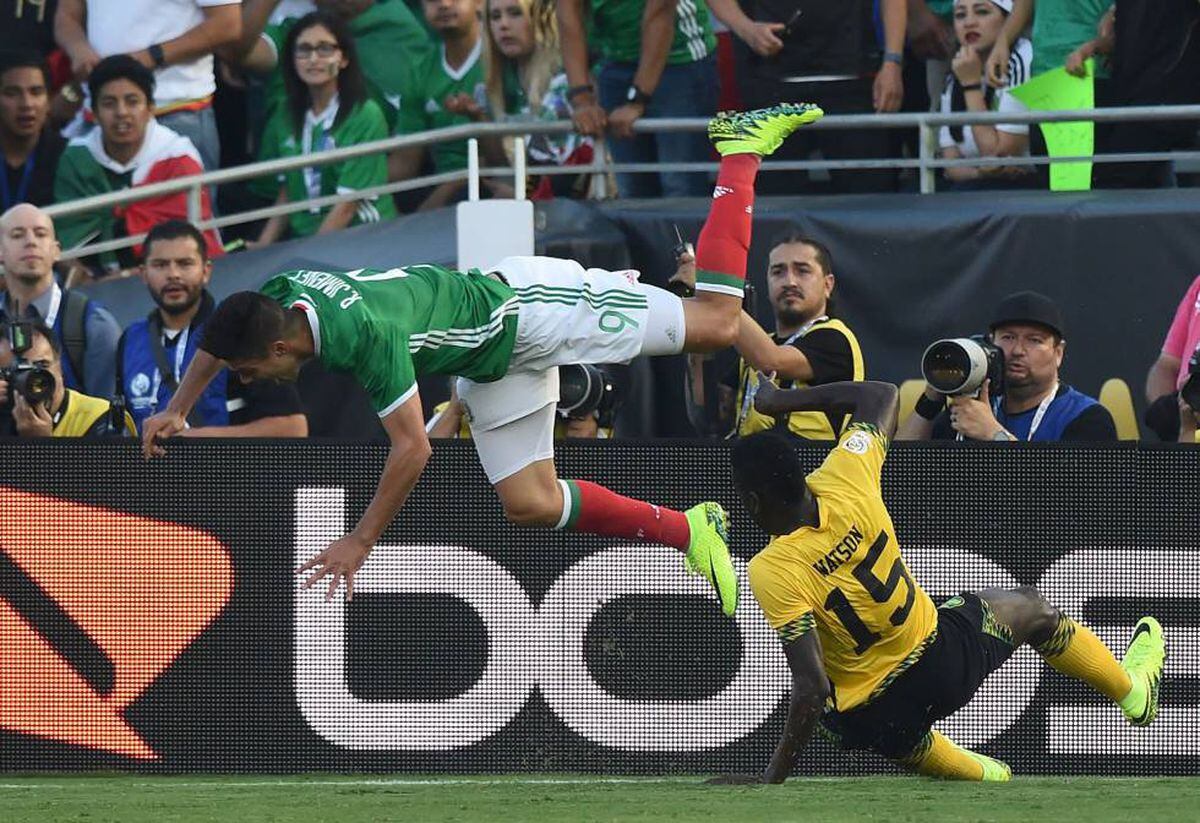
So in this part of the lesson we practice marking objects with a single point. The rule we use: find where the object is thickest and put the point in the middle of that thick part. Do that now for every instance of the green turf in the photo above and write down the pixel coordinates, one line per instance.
(346, 799)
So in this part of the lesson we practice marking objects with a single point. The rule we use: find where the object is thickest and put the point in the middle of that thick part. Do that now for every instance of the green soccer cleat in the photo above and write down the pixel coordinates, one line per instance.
(1143, 662)
(760, 131)
(993, 770)
(708, 552)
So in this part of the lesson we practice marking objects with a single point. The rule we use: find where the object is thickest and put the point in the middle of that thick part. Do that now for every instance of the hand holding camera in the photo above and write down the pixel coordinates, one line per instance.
(972, 416)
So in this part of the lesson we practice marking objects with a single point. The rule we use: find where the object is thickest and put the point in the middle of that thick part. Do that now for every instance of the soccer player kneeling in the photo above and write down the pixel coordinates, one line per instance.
(873, 662)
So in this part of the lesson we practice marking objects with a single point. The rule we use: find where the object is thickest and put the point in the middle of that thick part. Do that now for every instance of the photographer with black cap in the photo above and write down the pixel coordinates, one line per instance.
(1034, 404)
(34, 400)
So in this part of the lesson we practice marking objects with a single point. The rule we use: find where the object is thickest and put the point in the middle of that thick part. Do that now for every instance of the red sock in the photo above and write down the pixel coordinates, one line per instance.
(594, 509)
(725, 239)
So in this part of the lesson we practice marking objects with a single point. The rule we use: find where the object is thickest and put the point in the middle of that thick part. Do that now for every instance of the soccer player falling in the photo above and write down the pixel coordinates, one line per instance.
(872, 660)
(503, 333)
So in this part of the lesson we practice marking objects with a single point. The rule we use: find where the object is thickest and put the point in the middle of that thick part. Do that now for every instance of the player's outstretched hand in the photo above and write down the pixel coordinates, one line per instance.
(734, 780)
(339, 561)
(159, 427)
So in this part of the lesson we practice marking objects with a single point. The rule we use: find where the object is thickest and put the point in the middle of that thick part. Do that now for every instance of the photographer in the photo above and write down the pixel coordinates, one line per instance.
(1034, 405)
(42, 410)
(85, 332)
(809, 346)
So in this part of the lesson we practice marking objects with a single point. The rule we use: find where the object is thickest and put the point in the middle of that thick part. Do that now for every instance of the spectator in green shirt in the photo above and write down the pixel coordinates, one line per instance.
(327, 107)
(452, 68)
(1059, 28)
(524, 81)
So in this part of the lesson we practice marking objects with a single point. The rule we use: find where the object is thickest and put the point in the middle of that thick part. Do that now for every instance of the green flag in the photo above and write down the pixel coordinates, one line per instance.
(1058, 90)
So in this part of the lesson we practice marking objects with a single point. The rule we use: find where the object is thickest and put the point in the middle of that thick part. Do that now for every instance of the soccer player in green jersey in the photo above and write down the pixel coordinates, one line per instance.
(503, 333)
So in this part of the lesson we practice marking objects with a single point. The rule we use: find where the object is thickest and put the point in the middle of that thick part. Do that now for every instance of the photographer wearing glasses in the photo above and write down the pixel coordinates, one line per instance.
(34, 400)
(1006, 387)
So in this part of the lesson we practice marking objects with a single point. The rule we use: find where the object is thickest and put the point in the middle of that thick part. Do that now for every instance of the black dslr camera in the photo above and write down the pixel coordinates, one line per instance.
(31, 382)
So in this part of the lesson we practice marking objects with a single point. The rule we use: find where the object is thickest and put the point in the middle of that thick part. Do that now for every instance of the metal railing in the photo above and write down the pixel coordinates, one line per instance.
(926, 163)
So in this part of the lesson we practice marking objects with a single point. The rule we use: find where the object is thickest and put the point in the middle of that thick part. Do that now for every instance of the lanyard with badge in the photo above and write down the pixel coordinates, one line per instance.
(750, 389)
(1042, 408)
(165, 371)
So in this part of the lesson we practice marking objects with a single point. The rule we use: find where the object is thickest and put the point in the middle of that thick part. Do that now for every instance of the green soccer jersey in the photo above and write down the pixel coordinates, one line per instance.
(616, 31)
(423, 107)
(388, 327)
(362, 125)
(390, 42)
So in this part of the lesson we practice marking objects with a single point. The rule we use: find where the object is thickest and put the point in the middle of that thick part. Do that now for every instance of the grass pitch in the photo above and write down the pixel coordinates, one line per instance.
(347, 799)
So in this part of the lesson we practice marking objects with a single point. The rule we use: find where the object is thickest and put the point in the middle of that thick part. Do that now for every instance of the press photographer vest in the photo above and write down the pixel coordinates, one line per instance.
(811, 425)
(141, 377)
(1067, 405)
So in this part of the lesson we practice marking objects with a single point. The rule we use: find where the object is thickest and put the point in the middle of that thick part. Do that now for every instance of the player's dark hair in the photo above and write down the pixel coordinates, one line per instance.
(24, 59)
(175, 230)
(352, 87)
(766, 463)
(120, 67)
(243, 327)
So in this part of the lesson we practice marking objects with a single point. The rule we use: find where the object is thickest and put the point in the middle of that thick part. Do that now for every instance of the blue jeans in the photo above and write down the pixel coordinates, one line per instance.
(201, 128)
(686, 90)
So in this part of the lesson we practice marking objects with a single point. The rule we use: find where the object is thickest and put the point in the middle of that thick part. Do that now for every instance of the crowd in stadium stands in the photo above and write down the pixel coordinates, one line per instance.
(97, 96)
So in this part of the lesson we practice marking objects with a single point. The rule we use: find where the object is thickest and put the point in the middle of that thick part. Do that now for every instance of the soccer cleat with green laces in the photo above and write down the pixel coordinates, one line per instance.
(708, 552)
(1143, 662)
(760, 131)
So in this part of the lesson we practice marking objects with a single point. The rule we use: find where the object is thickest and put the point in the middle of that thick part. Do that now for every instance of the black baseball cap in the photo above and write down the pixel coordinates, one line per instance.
(1029, 307)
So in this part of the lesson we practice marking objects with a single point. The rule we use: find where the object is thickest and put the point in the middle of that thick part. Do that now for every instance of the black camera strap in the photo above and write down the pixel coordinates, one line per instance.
(165, 371)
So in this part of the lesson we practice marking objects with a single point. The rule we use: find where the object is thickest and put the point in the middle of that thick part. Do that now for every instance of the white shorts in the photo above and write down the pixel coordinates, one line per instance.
(568, 314)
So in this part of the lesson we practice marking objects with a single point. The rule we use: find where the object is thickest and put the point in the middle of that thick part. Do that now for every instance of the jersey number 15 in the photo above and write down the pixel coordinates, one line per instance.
(880, 590)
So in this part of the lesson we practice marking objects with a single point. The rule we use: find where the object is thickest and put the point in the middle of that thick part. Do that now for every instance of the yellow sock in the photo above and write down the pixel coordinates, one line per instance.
(937, 756)
(1075, 651)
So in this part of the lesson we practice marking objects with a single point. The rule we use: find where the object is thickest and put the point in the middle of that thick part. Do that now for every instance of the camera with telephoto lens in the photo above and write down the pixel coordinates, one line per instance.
(32, 382)
(960, 365)
(1190, 391)
(585, 389)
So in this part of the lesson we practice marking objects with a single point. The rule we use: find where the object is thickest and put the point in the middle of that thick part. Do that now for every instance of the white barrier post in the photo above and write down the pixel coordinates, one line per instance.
(490, 230)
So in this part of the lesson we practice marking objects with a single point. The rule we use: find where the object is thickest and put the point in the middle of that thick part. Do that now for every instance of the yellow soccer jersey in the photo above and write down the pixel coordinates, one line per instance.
(846, 576)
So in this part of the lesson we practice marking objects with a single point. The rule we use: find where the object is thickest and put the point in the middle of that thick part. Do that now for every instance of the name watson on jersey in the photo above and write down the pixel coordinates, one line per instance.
(840, 553)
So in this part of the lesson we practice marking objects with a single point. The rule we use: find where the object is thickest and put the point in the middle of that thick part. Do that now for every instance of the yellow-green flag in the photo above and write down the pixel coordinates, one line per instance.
(1058, 90)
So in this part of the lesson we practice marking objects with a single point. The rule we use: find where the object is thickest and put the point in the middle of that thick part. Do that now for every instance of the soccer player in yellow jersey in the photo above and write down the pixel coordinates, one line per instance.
(872, 660)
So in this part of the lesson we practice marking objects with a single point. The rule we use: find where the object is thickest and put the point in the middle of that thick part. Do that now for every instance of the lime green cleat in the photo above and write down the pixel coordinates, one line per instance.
(1143, 662)
(708, 552)
(993, 770)
(760, 131)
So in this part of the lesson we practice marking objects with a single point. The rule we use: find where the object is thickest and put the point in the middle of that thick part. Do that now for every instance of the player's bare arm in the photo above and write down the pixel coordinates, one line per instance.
(173, 419)
(765, 355)
(810, 690)
(866, 401)
(406, 460)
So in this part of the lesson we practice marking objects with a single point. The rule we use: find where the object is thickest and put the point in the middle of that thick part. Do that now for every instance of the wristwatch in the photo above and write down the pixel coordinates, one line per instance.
(156, 56)
(636, 95)
(893, 57)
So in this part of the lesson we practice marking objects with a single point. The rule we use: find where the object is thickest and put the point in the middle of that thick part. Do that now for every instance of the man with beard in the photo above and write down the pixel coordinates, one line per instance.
(809, 346)
(1035, 404)
(154, 353)
(86, 332)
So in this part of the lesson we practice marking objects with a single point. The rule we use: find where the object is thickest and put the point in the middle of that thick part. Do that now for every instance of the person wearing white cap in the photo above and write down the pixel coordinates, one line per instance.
(977, 24)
